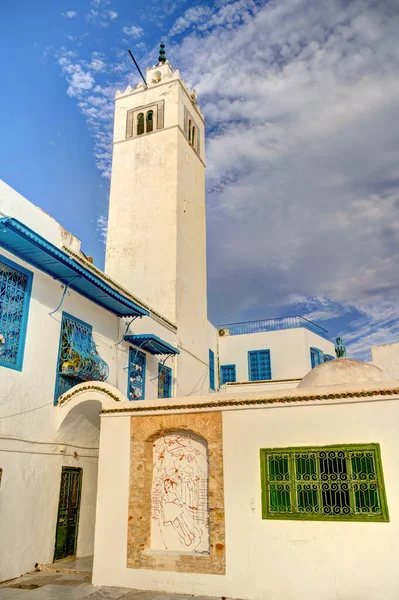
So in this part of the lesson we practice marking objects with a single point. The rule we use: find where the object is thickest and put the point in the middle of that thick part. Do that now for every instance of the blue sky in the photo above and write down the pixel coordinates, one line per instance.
(301, 100)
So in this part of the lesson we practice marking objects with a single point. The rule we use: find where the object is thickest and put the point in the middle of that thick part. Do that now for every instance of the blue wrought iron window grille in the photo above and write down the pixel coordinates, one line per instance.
(211, 370)
(15, 292)
(259, 368)
(227, 373)
(316, 357)
(78, 359)
(136, 375)
(164, 381)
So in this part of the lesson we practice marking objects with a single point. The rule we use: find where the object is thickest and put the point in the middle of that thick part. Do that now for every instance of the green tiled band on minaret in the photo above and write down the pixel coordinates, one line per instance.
(162, 55)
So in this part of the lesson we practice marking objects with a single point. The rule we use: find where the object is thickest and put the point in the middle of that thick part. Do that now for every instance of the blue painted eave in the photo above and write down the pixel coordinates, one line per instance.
(151, 343)
(35, 250)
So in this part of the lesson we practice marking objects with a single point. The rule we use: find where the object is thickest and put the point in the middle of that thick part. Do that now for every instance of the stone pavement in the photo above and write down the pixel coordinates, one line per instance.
(52, 585)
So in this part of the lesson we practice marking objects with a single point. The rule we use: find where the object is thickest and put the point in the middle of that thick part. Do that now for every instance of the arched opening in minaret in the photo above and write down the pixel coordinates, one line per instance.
(193, 137)
(140, 123)
(150, 121)
(190, 126)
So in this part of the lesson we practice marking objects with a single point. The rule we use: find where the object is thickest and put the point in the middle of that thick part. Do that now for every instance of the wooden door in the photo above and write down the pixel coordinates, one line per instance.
(68, 513)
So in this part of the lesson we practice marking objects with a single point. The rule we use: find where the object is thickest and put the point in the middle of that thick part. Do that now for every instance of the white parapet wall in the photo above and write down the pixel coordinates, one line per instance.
(387, 358)
(276, 559)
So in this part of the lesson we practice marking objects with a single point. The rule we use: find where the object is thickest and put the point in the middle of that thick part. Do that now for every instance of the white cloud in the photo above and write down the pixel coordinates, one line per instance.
(133, 31)
(70, 14)
(102, 227)
(301, 101)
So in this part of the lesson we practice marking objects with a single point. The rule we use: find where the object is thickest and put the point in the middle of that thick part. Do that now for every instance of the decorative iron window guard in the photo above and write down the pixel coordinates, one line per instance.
(136, 376)
(15, 289)
(78, 358)
(328, 483)
(164, 381)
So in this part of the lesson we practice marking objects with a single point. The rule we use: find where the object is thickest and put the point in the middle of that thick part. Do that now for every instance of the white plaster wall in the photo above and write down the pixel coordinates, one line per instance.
(387, 358)
(30, 443)
(12, 204)
(289, 351)
(289, 560)
(281, 560)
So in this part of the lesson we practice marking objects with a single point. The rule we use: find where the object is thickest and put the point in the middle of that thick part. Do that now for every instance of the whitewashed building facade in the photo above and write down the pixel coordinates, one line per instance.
(133, 428)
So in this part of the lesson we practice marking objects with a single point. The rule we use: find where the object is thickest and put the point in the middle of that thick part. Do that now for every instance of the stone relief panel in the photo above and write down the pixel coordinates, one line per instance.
(179, 493)
(176, 493)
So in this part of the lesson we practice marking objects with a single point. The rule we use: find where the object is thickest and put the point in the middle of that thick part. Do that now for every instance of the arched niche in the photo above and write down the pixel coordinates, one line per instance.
(179, 493)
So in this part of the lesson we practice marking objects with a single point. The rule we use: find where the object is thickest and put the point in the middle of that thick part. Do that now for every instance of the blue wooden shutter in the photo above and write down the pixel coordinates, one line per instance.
(316, 357)
(259, 367)
(211, 370)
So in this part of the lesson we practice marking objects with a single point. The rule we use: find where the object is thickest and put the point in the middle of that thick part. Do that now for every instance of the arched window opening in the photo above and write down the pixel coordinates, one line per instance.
(179, 495)
(189, 130)
(150, 121)
(193, 137)
(140, 123)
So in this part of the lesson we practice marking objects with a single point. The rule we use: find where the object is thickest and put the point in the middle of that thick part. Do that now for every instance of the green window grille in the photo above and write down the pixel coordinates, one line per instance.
(227, 373)
(259, 367)
(316, 357)
(78, 359)
(164, 381)
(137, 370)
(211, 370)
(330, 483)
(15, 290)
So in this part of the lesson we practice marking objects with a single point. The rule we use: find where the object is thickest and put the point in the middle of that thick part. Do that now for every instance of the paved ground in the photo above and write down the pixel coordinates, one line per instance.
(52, 585)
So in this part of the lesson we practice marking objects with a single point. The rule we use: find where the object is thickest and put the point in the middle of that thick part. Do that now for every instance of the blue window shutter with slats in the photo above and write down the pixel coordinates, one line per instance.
(259, 368)
(316, 357)
(227, 373)
(211, 370)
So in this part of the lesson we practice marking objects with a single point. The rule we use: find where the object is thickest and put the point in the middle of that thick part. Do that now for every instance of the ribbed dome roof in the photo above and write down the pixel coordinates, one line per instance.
(343, 370)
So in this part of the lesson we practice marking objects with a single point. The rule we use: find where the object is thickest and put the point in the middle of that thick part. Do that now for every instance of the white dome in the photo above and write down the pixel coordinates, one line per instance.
(343, 370)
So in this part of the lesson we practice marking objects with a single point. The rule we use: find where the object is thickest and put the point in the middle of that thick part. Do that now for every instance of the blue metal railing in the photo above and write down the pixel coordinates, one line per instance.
(274, 325)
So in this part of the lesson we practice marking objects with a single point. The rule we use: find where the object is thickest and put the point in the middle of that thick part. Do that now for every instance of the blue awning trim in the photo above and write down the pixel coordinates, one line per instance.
(151, 343)
(35, 250)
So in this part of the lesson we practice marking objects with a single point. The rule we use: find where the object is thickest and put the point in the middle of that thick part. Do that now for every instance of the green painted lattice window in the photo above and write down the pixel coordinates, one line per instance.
(330, 483)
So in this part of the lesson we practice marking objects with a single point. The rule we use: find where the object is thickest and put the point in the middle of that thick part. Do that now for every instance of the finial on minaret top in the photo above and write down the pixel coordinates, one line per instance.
(162, 55)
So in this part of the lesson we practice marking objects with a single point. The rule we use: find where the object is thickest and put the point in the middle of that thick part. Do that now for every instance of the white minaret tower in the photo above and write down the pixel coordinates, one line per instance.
(156, 245)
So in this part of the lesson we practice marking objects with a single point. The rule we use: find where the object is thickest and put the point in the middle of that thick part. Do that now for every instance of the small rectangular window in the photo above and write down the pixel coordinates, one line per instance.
(137, 370)
(164, 381)
(211, 370)
(227, 373)
(15, 291)
(316, 357)
(259, 368)
(78, 359)
(329, 483)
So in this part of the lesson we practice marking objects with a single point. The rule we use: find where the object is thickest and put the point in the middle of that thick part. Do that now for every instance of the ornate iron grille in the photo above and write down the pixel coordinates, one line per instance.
(211, 370)
(227, 373)
(137, 369)
(336, 482)
(15, 288)
(164, 381)
(259, 365)
(78, 358)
